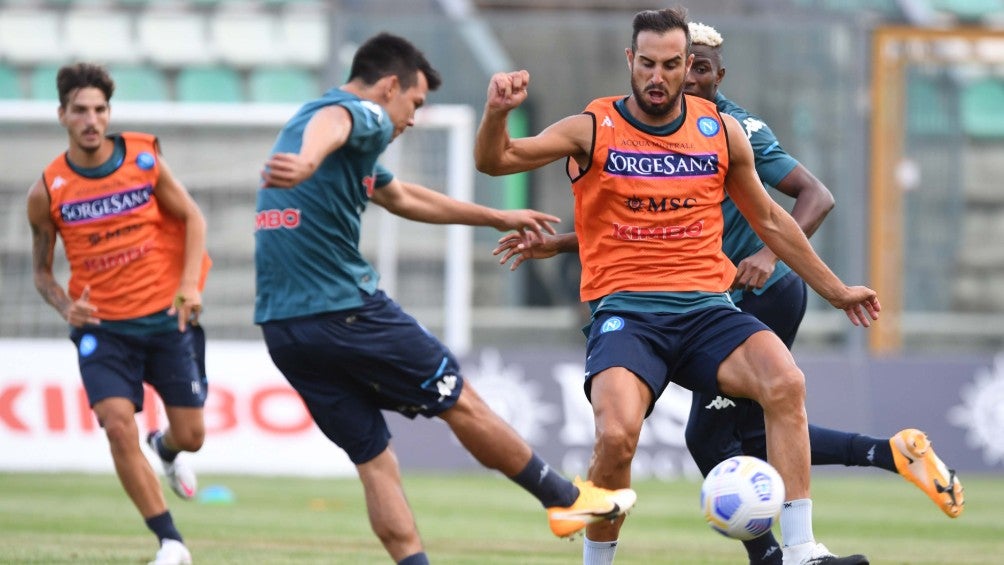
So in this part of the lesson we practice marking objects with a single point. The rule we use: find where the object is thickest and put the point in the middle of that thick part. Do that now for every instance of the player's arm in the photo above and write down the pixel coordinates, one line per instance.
(327, 130)
(813, 201)
(522, 246)
(174, 199)
(784, 236)
(421, 204)
(495, 153)
(43, 244)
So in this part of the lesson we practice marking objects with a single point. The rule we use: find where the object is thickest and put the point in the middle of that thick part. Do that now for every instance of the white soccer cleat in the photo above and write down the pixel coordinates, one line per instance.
(172, 552)
(813, 553)
(179, 475)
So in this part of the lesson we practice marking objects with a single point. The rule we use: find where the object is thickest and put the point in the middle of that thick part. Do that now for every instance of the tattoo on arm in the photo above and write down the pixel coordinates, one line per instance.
(45, 283)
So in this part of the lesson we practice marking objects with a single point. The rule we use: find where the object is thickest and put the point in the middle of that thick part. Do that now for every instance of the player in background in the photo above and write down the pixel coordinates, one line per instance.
(721, 426)
(135, 243)
(347, 348)
(657, 281)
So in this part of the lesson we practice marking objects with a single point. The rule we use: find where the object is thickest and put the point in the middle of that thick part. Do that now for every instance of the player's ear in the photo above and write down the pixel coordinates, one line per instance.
(629, 54)
(392, 87)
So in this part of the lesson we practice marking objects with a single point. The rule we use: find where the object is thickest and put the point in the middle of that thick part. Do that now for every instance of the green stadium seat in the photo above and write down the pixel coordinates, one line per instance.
(42, 83)
(983, 108)
(10, 84)
(209, 84)
(930, 107)
(970, 10)
(139, 84)
(277, 85)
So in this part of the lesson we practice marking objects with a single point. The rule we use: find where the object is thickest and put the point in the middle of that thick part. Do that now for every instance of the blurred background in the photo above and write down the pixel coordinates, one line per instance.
(896, 105)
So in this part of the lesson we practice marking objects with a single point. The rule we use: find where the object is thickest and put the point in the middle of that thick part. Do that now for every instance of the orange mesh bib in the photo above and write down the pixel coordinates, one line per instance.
(648, 209)
(116, 239)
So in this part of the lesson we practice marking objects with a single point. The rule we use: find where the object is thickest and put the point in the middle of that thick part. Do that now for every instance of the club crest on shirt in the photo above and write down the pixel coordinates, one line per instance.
(708, 126)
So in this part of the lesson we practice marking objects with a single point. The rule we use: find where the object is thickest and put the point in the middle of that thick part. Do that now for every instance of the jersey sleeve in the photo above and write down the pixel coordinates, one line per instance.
(371, 126)
(772, 162)
(383, 176)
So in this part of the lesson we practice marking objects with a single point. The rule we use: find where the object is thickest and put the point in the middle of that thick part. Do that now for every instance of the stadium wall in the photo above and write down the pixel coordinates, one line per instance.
(257, 425)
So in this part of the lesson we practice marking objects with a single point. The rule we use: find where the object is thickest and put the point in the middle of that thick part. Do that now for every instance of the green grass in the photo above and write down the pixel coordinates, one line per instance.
(471, 519)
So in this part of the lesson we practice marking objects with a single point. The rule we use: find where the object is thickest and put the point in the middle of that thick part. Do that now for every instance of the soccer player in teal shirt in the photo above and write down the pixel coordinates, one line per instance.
(347, 348)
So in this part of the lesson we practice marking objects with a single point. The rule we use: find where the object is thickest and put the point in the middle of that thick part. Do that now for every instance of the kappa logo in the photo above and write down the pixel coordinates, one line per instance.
(58, 182)
(720, 403)
(752, 125)
(374, 108)
(607, 122)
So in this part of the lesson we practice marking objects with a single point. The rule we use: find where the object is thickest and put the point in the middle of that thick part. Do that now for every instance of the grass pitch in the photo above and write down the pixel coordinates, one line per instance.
(472, 519)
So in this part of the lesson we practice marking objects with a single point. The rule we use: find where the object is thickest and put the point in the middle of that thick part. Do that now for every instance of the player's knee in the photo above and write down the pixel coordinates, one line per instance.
(784, 389)
(617, 443)
(120, 431)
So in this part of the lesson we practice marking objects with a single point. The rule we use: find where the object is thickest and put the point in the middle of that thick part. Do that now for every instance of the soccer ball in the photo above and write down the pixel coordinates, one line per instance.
(741, 497)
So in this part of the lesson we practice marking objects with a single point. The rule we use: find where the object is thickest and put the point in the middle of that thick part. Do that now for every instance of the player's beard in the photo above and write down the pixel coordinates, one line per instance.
(655, 110)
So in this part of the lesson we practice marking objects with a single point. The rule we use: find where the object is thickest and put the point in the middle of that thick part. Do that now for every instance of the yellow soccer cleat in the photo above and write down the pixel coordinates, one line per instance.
(916, 461)
(592, 505)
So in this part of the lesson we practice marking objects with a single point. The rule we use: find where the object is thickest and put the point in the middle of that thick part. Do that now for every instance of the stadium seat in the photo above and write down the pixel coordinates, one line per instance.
(101, 36)
(278, 85)
(10, 84)
(139, 84)
(209, 84)
(929, 106)
(29, 37)
(983, 108)
(969, 10)
(244, 39)
(43, 82)
(174, 38)
(304, 38)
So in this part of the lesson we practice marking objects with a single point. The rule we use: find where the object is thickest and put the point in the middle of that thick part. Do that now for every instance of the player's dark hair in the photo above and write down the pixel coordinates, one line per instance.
(660, 21)
(389, 55)
(83, 75)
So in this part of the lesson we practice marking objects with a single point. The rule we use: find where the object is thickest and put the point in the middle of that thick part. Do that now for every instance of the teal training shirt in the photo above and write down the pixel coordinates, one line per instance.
(307, 257)
(772, 164)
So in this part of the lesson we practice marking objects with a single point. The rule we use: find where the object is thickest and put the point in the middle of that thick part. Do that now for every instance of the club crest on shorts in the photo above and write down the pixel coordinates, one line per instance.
(612, 324)
(88, 343)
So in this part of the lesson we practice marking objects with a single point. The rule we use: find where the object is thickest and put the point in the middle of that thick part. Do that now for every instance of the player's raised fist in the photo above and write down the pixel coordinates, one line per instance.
(508, 90)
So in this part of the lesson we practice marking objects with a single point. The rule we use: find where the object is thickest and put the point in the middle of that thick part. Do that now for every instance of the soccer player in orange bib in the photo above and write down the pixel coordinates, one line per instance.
(135, 243)
(656, 278)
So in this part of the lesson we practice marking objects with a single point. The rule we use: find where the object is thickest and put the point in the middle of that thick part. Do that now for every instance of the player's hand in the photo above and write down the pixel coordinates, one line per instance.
(860, 303)
(81, 311)
(753, 271)
(522, 246)
(507, 90)
(527, 220)
(187, 306)
(286, 170)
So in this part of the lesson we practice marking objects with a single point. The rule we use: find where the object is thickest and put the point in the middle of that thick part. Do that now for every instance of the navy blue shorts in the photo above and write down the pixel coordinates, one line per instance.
(117, 365)
(720, 426)
(351, 364)
(659, 348)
